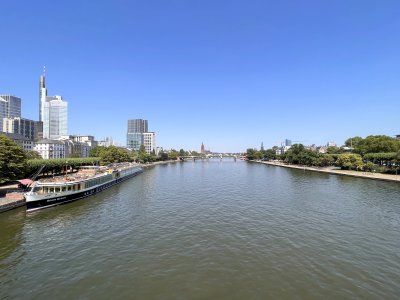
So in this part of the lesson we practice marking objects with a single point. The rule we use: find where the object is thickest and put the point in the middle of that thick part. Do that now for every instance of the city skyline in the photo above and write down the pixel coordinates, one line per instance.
(229, 74)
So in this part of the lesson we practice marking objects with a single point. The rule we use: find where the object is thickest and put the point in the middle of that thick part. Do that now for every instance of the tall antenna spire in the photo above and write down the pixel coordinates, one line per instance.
(44, 70)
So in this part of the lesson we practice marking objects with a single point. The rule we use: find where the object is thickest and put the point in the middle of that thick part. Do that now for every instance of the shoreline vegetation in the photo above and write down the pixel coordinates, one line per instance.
(333, 171)
(376, 157)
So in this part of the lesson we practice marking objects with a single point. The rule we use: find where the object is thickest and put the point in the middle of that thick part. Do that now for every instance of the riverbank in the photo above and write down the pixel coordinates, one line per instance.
(14, 200)
(11, 201)
(159, 163)
(332, 170)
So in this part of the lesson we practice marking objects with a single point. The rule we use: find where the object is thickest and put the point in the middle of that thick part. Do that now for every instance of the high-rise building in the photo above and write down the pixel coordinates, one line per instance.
(288, 143)
(137, 126)
(10, 107)
(42, 95)
(55, 117)
(134, 140)
(202, 148)
(25, 127)
(53, 112)
(138, 135)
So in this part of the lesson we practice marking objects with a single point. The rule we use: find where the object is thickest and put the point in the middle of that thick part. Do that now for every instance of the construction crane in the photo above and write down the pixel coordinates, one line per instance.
(36, 174)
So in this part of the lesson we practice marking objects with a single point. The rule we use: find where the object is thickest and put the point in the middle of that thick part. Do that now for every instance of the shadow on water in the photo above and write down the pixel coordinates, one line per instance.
(11, 225)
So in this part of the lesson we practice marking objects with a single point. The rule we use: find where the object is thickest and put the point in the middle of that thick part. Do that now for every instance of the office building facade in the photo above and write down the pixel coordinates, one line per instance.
(25, 127)
(138, 135)
(53, 113)
(10, 107)
(55, 117)
(137, 126)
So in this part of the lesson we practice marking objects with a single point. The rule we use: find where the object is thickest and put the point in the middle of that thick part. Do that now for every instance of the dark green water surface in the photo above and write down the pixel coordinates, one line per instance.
(210, 230)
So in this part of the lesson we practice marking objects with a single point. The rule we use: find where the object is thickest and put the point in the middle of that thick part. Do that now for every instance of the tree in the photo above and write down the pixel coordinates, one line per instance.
(163, 155)
(325, 160)
(350, 161)
(253, 154)
(12, 160)
(373, 144)
(173, 154)
(269, 154)
(112, 154)
(377, 144)
(334, 150)
(182, 153)
(32, 155)
(353, 141)
(142, 149)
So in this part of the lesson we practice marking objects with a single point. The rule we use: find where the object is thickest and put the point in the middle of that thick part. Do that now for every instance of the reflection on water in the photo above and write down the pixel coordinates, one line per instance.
(210, 229)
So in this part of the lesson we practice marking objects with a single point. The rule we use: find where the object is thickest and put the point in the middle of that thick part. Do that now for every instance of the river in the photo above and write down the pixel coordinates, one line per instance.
(210, 230)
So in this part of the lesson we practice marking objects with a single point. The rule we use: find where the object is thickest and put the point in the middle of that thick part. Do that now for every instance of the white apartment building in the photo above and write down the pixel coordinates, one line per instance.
(149, 141)
(50, 149)
(78, 146)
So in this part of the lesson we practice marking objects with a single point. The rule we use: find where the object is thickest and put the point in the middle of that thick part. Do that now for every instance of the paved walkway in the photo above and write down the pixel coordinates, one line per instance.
(332, 170)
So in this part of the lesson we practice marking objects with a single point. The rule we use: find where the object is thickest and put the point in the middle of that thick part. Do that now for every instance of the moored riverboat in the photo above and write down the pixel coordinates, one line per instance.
(89, 180)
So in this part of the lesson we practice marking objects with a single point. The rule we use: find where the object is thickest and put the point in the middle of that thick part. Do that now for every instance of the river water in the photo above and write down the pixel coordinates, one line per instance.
(210, 230)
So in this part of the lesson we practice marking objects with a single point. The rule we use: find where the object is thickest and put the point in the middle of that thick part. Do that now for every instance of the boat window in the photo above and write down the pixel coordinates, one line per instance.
(37, 189)
(51, 189)
(57, 189)
(79, 186)
(64, 188)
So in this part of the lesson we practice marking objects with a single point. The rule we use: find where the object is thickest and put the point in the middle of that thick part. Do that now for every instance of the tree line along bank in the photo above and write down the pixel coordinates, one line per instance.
(16, 163)
(375, 153)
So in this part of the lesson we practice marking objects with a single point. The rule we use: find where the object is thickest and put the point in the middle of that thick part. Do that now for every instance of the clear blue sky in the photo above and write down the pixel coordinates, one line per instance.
(230, 74)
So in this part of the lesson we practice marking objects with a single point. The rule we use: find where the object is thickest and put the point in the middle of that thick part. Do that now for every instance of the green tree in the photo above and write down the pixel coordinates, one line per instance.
(32, 155)
(325, 160)
(350, 161)
(377, 144)
(334, 150)
(173, 154)
(195, 153)
(253, 154)
(163, 156)
(12, 160)
(142, 149)
(182, 153)
(269, 154)
(353, 141)
(113, 154)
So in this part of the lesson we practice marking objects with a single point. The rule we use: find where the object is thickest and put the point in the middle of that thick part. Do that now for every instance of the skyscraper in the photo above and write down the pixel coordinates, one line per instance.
(138, 135)
(42, 95)
(10, 107)
(55, 123)
(137, 126)
(53, 112)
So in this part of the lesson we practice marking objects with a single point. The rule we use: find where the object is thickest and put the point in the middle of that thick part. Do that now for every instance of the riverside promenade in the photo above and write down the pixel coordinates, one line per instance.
(11, 200)
(334, 171)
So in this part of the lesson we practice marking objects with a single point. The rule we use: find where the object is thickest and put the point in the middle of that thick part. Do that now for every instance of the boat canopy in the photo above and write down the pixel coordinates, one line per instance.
(25, 181)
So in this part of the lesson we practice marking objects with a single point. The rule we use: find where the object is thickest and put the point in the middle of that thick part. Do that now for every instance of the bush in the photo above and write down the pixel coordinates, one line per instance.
(350, 161)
